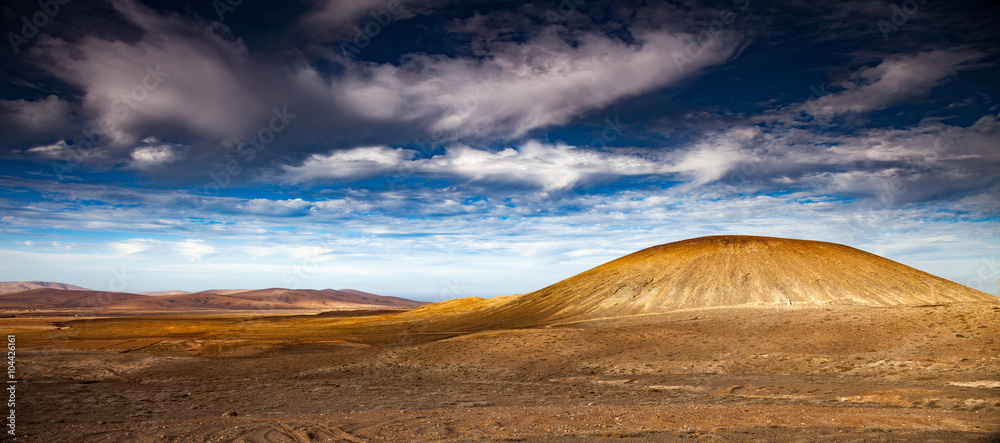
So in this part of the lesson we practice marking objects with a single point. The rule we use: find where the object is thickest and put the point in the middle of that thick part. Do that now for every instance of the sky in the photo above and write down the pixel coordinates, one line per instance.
(435, 149)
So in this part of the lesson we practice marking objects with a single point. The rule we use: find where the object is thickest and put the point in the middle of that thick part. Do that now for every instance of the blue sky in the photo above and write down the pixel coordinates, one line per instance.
(436, 149)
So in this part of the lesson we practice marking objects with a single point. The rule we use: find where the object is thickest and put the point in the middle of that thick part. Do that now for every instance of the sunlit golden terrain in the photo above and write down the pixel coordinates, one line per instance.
(732, 339)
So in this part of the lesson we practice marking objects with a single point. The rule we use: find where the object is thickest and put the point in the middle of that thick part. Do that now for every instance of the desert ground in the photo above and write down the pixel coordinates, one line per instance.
(751, 373)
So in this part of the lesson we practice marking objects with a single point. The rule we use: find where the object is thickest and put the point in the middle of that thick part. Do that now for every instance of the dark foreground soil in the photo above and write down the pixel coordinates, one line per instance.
(905, 374)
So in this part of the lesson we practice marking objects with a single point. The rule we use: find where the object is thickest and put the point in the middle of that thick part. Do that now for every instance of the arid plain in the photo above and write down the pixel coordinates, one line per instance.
(724, 338)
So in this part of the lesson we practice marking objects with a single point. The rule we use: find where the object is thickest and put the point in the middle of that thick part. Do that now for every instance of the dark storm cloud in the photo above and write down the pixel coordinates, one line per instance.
(33, 122)
(190, 83)
(177, 96)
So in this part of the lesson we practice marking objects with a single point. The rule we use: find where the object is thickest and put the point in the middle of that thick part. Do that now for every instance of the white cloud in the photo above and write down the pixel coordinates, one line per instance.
(895, 80)
(263, 206)
(909, 164)
(151, 156)
(354, 163)
(194, 250)
(518, 87)
(549, 167)
(929, 161)
(207, 89)
(299, 253)
(711, 159)
(132, 246)
(55, 150)
(335, 18)
(199, 81)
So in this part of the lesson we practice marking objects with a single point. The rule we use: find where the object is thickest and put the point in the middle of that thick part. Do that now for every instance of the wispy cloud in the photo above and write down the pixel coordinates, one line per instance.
(131, 246)
(894, 80)
(208, 90)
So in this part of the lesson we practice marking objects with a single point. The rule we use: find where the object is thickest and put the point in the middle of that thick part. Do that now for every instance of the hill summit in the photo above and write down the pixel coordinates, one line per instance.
(734, 270)
(10, 287)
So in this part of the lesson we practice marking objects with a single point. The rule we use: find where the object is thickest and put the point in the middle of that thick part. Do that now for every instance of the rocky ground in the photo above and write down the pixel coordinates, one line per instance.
(819, 373)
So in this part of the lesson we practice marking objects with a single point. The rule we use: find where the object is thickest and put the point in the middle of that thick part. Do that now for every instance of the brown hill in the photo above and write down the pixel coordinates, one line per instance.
(159, 293)
(45, 298)
(322, 299)
(727, 271)
(275, 298)
(10, 287)
(187, 302)
(223, 291)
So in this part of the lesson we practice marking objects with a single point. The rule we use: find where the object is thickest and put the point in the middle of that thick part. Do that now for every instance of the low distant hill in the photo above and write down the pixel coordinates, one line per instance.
(224, 291)
(10, 287)
(265, 299)
(159, 293)
(321, 299)
(45, 298)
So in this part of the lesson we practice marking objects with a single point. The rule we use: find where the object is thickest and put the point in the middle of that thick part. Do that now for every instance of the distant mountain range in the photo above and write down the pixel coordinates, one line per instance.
(698, 273)
(8, 287)
(59, 296)
(158, 293)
